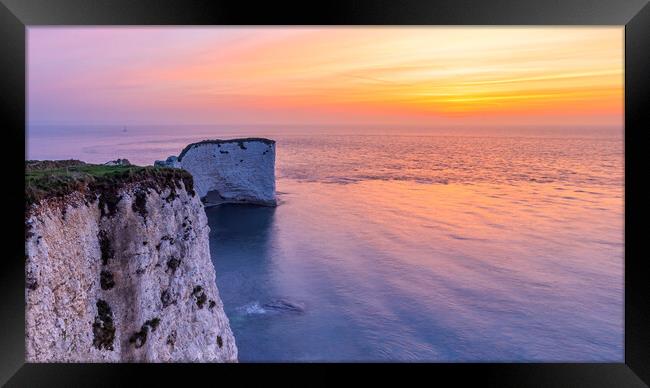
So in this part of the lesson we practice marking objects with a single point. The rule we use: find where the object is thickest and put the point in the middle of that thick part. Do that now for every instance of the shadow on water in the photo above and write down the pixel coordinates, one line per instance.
(242, 247)
(240, 236)
(241, 219)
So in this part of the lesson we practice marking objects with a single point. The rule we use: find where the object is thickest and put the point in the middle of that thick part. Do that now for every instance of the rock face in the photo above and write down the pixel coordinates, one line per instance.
(171, 162)
(118, 162)
(238, 170)
(123, 276)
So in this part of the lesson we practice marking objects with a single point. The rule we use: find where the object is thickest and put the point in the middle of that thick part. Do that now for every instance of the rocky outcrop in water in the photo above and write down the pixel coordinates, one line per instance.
(237, 170)
(118, 268)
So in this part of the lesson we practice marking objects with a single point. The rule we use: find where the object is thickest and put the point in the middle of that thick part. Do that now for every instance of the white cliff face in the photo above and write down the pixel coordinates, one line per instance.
(130, 282)
(171, 162)
(240, 170)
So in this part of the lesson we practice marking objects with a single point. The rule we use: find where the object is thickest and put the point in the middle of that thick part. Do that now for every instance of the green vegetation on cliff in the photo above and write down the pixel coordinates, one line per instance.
(49, 179)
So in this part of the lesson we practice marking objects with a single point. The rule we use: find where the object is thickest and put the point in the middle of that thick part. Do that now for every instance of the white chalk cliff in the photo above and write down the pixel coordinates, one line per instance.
(123, 275)
(237, 170)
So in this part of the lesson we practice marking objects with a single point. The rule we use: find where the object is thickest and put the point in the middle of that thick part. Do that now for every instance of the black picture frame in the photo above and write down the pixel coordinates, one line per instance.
(16, 15)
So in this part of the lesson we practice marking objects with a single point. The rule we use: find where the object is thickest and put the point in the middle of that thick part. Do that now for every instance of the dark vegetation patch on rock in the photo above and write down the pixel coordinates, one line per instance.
(57, 179)
(171, 197)
(240, 142)
(140, 204)
(29, 231)
(139, 338)
(107, 252)
(173, 263)
(165, 238)
(30, 282)
(187, 232)
(199, 296)
(106, 280)
(171, 338)
(166, 298)
(108, 201)
(103, 327)
(153, 323)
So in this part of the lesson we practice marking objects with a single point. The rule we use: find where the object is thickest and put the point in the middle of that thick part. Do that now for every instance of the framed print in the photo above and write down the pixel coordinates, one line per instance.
(445, 188)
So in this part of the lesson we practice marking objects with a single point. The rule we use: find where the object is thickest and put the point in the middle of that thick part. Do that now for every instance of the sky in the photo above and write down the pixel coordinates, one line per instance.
(424, 76)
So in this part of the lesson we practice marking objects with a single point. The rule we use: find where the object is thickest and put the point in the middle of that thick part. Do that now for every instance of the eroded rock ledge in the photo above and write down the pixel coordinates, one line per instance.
(236, 170)
(118, 267)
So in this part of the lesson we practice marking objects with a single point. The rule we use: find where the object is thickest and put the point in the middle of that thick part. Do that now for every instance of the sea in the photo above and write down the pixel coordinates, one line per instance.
(409, 244)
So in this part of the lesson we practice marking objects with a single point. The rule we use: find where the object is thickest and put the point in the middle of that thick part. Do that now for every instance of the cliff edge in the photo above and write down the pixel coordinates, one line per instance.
(118, 267)
(237, 170)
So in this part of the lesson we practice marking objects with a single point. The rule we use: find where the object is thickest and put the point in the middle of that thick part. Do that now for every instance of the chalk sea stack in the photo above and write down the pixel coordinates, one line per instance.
(232, 171)
(118, 267)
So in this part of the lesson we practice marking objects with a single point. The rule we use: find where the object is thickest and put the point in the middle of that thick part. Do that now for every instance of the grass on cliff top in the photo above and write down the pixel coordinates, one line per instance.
(47, 179)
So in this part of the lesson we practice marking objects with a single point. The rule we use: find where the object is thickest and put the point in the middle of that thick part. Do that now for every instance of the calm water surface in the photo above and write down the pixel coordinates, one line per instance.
(481, 247)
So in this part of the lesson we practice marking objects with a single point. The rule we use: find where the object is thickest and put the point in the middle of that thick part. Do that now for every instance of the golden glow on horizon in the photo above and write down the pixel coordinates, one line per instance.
(400, 75)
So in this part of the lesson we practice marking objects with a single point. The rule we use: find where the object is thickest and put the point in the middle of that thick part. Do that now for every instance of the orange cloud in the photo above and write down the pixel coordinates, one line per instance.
(409, 75)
